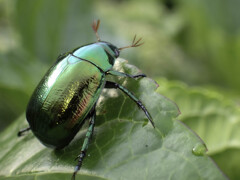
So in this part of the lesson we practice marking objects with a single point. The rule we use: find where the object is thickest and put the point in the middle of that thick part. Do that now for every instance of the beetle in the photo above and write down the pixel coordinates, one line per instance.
(66, 96)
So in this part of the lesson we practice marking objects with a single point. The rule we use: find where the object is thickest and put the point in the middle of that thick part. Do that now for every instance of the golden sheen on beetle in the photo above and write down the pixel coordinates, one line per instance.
(66, 96)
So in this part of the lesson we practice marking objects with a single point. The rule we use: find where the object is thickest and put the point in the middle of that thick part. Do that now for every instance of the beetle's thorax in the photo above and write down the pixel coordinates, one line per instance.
(102, 54)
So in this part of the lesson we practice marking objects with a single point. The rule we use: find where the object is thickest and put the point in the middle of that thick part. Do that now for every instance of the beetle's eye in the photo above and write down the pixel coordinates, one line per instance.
(116, 51)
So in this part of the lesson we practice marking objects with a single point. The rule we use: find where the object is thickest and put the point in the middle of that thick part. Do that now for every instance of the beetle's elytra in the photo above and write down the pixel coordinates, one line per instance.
(67, 94)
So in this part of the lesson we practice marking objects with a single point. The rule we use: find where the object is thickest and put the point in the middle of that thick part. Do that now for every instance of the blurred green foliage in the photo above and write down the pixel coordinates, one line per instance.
(196, 42)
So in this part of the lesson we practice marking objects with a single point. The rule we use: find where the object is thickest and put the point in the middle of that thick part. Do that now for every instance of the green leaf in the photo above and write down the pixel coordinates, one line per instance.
(214, 118)
(123, 146)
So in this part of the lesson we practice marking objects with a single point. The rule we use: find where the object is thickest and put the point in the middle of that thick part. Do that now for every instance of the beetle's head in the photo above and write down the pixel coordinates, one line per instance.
(112, 50)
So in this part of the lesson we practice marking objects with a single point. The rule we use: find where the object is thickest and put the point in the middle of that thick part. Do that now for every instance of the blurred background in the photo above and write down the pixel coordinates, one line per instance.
(191, 48)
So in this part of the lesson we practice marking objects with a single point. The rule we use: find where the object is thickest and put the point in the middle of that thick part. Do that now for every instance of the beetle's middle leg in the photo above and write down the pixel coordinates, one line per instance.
(116, 73)
(85, 143)
(110, 84)
(21, 132)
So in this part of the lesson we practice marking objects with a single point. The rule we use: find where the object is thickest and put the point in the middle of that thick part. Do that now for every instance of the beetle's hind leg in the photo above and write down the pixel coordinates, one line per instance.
(21, 132)
(110, 84)
(85, 143)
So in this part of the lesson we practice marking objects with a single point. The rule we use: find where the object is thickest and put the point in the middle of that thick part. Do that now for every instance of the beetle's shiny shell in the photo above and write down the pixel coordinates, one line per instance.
(63, 99)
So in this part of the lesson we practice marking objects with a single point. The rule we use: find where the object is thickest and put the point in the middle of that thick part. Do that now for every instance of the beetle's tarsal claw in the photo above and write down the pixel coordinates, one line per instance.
(21, 133)
(150, 118)
(73, 176)
(152, 123)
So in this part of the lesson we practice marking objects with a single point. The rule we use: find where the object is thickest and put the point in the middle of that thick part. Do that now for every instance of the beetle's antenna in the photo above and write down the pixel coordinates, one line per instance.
(134, 43)
(95, 26)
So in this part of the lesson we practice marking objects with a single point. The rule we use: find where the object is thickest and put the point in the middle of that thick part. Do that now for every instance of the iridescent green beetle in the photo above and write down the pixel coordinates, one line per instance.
(67, 95)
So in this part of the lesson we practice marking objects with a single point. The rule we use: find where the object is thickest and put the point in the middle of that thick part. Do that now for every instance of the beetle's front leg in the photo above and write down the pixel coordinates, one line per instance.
(116, 73)
(85, 144)
(21, 132)
(114, 85)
